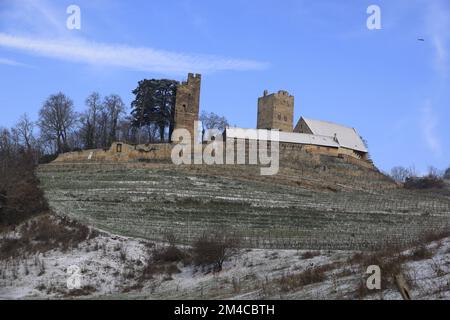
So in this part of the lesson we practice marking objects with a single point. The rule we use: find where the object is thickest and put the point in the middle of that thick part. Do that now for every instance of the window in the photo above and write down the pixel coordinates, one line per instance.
(285, 118)
(279, 116)
(119, 148)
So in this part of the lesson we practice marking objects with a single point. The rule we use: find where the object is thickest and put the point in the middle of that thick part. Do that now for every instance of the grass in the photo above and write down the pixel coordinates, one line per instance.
(392, 259)
(292, 282)
(43, 234)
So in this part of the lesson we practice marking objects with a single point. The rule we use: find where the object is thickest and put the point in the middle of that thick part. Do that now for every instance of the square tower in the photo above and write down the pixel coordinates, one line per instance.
(187, 103)
(276, 111)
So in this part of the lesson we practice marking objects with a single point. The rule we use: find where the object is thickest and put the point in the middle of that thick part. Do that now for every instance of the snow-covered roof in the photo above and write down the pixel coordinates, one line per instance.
(287, 137)
(347, 137)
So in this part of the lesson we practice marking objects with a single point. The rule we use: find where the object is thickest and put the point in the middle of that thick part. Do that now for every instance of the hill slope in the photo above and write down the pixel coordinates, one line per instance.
(312, 205)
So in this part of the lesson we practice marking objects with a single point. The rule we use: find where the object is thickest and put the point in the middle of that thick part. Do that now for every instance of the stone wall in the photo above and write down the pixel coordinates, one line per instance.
(121, 152)
(187, 103)
(276, 111)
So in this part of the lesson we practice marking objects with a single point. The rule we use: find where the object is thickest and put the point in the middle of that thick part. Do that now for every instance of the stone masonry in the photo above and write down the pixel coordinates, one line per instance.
(276, 111)
(187, 103)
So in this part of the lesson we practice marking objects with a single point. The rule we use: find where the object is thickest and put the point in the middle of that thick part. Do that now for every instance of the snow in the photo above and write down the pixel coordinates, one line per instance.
(106, 262)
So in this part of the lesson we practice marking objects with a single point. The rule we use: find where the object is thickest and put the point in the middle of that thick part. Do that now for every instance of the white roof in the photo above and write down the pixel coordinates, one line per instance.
(287, 137)
(347, 137)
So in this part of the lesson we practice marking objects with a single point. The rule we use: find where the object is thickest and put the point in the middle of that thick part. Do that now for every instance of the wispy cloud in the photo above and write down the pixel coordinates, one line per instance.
(429, 123)
(136, 58)
(10, 62)
(438, 29)
(27, 25)
(31, 16)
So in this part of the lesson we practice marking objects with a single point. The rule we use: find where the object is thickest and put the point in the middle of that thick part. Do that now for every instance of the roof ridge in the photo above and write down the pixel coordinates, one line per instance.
(330, 122)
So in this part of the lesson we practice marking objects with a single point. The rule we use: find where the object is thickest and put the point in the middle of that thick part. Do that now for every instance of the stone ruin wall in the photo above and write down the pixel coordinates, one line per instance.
(121, 152)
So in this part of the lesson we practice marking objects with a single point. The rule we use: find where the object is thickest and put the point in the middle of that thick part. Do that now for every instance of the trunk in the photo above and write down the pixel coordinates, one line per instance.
(171, 128)
(161, 132)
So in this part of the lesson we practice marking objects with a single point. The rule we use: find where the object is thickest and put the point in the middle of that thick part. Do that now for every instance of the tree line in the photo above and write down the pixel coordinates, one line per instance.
(411, 180)
(59, 128)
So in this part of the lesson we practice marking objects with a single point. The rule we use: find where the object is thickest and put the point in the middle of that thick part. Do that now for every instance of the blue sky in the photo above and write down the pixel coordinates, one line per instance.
(391, 87)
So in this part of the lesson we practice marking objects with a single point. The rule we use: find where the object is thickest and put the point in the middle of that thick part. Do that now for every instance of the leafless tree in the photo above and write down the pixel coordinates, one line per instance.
(89, 119)
(102, 127)
(435, 172)
(24, 129)
(447, 174)
(211, 120)
(56, 120)
(400, 174)
(115, 108)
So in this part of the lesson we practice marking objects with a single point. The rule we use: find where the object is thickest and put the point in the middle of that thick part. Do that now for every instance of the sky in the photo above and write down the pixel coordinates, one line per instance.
(391, 87)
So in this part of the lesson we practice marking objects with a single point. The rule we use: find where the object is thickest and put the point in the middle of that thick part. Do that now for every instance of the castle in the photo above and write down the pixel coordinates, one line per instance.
(275, 111)
(187, 103)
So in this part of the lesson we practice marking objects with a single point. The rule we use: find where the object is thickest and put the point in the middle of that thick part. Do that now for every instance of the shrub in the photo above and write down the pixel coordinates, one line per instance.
(214, 249)
(152, 268)
(310, 254)
(169, 254)
(47, 158)
(44, 234)
(421, 253)
(20, 196)
(428, 182)
(307, 277)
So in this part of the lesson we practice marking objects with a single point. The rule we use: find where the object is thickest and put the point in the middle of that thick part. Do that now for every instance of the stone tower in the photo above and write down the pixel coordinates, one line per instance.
(276, 111)
(187, 103)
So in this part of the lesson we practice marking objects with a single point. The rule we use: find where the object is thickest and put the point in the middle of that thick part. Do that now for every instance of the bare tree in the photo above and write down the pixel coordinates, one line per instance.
(102, 127)
(20, 196)
(115, 108)
(126, 131)
(212, 121)
(56, 120)
(447, 174)
(89, 121)
(400, 174)
(435, 172)
(24, 129)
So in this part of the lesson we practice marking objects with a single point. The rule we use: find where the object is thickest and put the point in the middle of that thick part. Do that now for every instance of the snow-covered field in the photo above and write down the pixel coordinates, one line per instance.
(112, 267)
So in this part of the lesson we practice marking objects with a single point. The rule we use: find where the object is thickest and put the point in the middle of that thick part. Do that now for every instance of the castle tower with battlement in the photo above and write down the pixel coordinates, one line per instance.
(276, 111)
(187, 103)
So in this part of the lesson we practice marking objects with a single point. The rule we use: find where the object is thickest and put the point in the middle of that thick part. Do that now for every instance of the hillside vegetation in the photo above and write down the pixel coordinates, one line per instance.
(310, 204)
